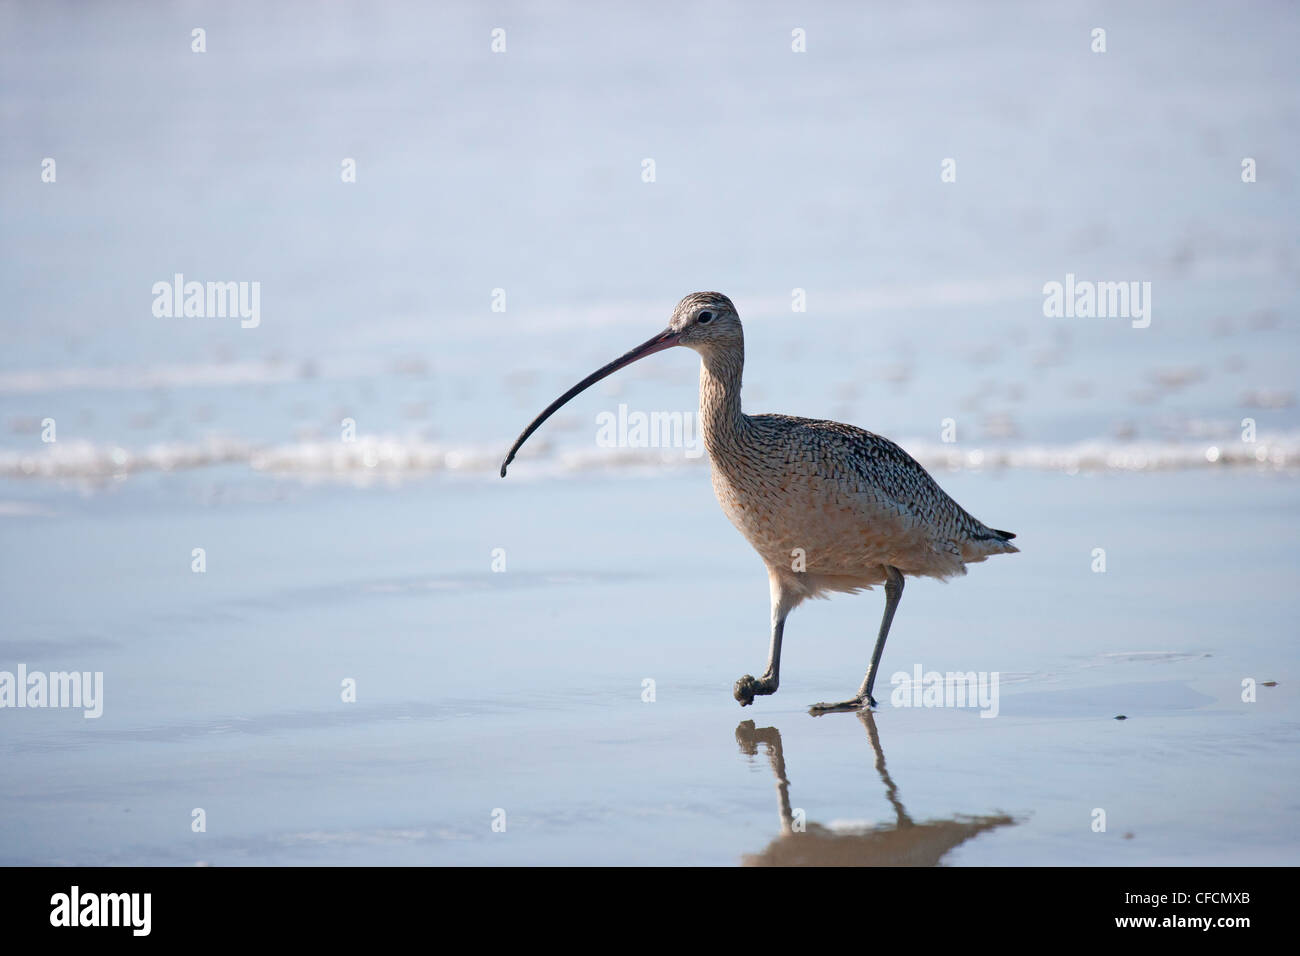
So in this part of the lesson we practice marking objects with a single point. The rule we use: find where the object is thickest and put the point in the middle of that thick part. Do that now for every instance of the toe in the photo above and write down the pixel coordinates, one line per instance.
(744, 690)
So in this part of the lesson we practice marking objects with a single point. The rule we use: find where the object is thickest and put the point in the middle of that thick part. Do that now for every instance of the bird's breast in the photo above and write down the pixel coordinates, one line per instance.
(794, 517)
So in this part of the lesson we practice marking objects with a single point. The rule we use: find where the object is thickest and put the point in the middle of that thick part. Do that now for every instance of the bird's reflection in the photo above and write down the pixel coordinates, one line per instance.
(901, 843)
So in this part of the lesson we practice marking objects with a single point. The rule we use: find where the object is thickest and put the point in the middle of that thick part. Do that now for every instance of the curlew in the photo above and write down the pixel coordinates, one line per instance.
(828, 507)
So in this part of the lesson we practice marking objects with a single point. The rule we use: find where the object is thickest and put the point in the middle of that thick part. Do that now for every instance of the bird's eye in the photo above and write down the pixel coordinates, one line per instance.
(705, 317)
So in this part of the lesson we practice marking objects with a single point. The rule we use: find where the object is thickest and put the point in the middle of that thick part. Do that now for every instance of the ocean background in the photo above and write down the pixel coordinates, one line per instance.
(522, 689)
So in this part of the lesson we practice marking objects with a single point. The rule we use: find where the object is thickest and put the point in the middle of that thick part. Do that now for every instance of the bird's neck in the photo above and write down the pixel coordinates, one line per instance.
(721, 419)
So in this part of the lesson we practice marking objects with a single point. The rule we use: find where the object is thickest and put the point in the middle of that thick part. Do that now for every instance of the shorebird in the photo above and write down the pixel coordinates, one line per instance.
(828, 507)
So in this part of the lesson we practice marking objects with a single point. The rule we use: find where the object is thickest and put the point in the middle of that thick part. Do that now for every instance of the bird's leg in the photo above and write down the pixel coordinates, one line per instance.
(747, 688)
(893, 592)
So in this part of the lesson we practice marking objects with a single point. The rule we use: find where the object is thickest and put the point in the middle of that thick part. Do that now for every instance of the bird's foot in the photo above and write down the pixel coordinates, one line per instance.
(749, 687)
(859, 703)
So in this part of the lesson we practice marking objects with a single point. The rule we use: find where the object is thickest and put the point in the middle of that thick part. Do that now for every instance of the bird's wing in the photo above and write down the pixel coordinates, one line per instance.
(886, 476)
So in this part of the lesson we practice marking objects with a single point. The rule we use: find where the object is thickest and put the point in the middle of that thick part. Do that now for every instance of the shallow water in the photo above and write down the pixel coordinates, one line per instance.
(522, 690)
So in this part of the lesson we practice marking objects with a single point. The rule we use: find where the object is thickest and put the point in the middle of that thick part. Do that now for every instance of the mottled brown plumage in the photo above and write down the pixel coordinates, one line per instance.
(828, 507)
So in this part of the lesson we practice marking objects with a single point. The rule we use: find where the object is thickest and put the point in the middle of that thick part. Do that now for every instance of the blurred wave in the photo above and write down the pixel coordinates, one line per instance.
(393, 456)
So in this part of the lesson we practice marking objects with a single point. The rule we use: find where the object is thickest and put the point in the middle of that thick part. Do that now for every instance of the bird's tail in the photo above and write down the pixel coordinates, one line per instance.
(1002, 543)
(992, 541)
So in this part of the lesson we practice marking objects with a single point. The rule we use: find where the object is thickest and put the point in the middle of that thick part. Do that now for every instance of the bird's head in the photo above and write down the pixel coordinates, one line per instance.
(706, 321)
(703, 321)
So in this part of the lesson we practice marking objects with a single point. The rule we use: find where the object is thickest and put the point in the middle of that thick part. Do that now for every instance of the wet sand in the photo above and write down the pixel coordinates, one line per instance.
(521, 690)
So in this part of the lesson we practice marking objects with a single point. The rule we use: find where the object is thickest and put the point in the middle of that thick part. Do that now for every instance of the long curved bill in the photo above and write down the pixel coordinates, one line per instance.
(664, 340)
